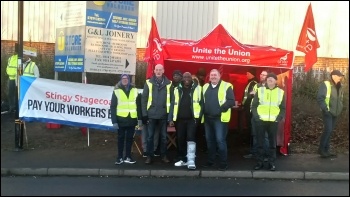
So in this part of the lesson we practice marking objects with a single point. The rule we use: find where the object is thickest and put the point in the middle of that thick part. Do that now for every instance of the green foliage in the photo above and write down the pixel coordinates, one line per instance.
(307, 124)
(306, 85)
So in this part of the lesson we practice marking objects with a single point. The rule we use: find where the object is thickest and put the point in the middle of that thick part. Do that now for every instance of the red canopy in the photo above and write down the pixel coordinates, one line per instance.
(219, 50)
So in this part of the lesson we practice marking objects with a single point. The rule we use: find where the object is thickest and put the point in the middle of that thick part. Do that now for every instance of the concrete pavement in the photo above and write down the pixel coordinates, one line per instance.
(90, 162)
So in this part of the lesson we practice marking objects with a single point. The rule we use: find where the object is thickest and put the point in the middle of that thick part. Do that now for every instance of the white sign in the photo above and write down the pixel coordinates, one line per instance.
(110, 51)
(68, 103)
(70, 13)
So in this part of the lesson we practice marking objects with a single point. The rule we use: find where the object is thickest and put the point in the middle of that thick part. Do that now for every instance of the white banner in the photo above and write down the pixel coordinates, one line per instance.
(68, 103)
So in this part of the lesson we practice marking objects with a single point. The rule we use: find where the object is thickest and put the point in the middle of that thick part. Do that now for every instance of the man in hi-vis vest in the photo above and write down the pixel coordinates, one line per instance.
(268, 110)
(30, 69)
(155, 102)
(124, 117)
(11, 71)
(218, 100)
(330, 100)
(185, 111)
(248, 97)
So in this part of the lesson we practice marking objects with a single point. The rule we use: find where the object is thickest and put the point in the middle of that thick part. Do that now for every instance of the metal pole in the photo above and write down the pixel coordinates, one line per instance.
(84, 80)
(18, 122)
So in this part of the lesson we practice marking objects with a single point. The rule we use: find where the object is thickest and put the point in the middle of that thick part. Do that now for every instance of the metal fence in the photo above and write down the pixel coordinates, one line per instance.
(317, 73)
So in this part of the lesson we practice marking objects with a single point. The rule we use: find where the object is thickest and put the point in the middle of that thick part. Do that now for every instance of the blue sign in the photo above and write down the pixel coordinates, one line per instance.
(123, 7)
(69, 63)
(110, 20)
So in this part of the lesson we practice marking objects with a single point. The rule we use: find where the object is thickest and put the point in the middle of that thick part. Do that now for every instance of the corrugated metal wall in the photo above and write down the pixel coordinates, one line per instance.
(262, 23)
(39, 21)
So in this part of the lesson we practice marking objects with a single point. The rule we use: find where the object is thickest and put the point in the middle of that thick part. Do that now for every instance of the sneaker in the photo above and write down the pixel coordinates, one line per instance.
(272, 167)
(180, 163)
(119, 161)
(156, 154)
(249, 156)
(129, 160)
(144, 154)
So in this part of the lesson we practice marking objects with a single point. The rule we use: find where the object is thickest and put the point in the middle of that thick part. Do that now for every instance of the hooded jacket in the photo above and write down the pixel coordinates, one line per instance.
(122, 121)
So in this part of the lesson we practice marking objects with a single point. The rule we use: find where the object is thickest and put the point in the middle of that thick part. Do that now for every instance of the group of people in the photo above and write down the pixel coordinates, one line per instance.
(191, 105)
(264, 128)
(29, 69)
(187, 102)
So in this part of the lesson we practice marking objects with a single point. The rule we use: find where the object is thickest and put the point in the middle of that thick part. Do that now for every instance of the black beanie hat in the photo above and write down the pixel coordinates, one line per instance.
(177, 72)
(273, 75)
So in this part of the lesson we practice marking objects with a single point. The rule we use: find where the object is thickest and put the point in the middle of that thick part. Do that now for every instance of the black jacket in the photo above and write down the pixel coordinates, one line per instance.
(190, 108)
(122, 121)
(157, 109)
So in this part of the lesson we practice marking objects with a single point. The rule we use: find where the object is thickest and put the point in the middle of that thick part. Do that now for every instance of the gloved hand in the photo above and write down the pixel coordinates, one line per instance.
(115, 126)
(145, 120)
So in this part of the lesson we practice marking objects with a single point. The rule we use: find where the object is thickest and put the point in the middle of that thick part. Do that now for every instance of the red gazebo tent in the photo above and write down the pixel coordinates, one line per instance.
(219, 50)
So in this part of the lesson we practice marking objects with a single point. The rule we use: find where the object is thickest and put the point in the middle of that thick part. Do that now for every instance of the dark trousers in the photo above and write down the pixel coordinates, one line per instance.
(329, 123)
(248, 117)
(161, 124)
(271, 129)
(11, 85)
(125, 138)
(185, 131)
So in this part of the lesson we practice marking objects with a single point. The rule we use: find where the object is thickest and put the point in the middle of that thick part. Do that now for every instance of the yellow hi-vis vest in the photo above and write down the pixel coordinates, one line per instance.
(29, 69)
(225, 116)
(11, 68)
(195, 102)
(150, 87)
(255, 89)
(328, 94)
(126, 105)
(246, 93)
(269, 101)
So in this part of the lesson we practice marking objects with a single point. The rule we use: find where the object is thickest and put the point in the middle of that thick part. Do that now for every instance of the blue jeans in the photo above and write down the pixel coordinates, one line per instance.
(144, 135)
(254, 145)
(125, 134)
(329, 123)
(215, 134)
(154, 124)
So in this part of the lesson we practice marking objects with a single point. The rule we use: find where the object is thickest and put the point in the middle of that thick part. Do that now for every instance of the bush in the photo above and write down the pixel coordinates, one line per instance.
(307, 123)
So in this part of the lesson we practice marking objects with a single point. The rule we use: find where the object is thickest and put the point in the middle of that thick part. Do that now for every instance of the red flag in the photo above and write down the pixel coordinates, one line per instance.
(308, 42)
(154, 50)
